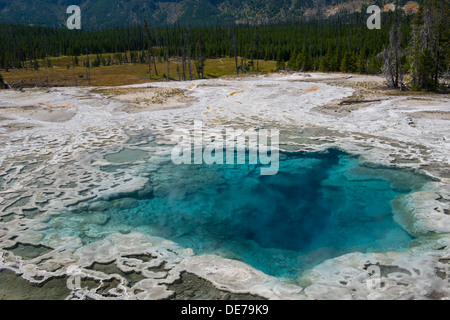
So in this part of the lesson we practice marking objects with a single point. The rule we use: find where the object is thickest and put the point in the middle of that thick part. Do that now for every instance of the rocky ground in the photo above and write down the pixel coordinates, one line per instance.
(75, 149)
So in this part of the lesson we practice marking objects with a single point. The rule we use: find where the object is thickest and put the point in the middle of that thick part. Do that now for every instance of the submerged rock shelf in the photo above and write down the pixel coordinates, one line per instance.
(318, 206)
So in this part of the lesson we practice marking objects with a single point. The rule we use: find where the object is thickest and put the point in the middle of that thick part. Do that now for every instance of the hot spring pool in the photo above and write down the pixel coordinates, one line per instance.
(318, 206)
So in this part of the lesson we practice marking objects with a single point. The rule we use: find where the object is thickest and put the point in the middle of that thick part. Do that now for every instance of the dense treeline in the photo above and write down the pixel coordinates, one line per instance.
(429, 50)
(337, 44)
(22, 44)
(427, 54)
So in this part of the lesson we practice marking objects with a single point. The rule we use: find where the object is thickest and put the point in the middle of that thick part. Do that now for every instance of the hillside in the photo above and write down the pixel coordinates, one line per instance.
(112, 13)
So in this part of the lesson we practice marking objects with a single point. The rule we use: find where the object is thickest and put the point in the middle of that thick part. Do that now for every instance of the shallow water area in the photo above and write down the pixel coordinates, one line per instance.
(126, 155)
(318, 206)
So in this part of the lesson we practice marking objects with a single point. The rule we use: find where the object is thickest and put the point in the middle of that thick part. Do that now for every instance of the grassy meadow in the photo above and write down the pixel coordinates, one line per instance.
(61, 73)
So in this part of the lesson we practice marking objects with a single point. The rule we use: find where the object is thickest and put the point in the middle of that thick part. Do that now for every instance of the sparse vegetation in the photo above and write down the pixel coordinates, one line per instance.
(115, 75)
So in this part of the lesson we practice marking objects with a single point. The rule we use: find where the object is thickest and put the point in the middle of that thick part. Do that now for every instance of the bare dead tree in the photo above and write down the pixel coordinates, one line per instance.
(387, 67)
(150, 52)
(234, 47)
(395, 44)
(178, 69)
(183, 57)
(88, 66)
(73, 71)
(167, 53)
(392, 60)
(44, 51)
(200, 58)
(188, 49)
(257, 48)
(182, 52)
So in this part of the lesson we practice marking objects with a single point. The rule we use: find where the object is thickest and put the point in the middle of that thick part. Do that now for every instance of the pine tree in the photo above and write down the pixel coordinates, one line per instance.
(428, 44)
(335, 61)
(361, 63)
(292, 63)
(325, 61)
(324, 65)
(348, 62)
(305, 62)
(374, 65)
(96, 62)
(73, 70)
(2, 82)
(307, 45)
(281, 65)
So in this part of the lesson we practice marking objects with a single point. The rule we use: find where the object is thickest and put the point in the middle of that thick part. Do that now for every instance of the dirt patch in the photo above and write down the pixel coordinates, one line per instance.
(367, 91)
(40, 113)
(18, 127)
(417, 101)
(335, 108)
(315, 88)
(137, 100)
(111, 268)
(28, 251)
(14, 287)
(192, 287)
(435, 115)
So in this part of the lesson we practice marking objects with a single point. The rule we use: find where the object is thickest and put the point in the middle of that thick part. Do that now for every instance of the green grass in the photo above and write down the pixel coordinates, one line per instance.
(61, 74)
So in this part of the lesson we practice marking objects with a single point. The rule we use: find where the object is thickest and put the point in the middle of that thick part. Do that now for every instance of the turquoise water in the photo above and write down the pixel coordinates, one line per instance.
(318, 206)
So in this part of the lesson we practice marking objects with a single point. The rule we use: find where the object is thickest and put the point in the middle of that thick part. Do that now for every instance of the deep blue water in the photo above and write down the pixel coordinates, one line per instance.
(318, 206)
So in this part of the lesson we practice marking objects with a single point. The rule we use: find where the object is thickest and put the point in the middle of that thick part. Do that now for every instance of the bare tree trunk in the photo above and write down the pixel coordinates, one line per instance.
(200, 58)
(167, 54)
(44, 51)
(183, 63)
(188, 49)
(182, 51)
(168, 64)
(149, 62)
(88, 66)
(9, 51)
(391, 56)
(154, 64)
(46, 70)
(73, 72)
(234, 46)
(151, 56)
(395, 48)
